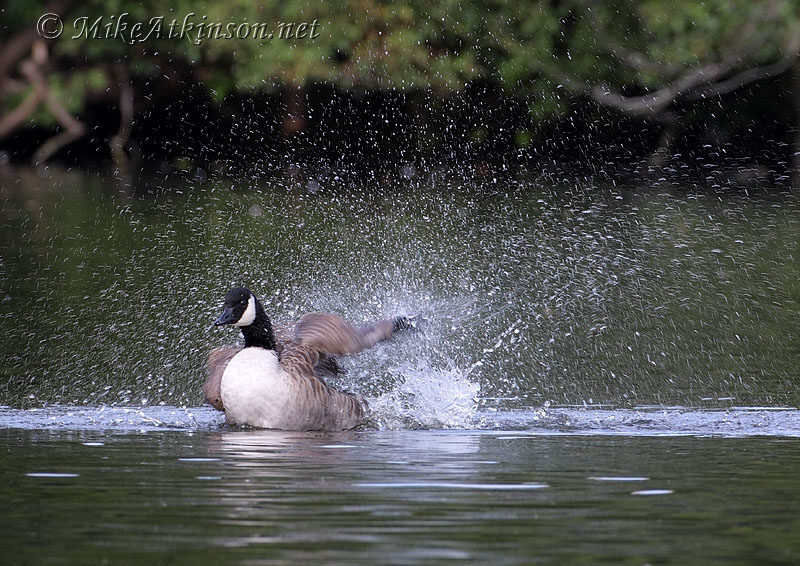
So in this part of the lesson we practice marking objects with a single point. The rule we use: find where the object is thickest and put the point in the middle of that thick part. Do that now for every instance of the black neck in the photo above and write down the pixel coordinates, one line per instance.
(260, 332)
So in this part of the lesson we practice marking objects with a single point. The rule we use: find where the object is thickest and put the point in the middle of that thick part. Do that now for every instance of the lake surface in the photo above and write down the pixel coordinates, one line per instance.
(607, 375)
(135, 487)
(535, 292)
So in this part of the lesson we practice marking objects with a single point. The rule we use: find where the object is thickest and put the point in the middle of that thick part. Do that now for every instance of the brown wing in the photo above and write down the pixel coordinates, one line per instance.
(318, 334)
(324, 407)
(218, 359)
(330, 334)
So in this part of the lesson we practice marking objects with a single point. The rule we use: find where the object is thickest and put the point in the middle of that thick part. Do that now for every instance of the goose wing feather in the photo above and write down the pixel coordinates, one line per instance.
(331, 334)
(218, 359)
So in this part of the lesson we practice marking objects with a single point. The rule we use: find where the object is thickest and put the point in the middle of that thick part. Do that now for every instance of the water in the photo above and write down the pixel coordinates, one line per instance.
(534, 291)
(204, 496)
(606, 375)
(642, 421)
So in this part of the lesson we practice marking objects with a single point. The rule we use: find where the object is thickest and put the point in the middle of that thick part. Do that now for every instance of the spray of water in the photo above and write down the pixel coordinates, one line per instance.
(413, 380)
(539, 292)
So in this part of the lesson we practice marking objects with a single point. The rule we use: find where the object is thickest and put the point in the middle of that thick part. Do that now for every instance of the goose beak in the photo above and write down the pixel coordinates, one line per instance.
(226, 317)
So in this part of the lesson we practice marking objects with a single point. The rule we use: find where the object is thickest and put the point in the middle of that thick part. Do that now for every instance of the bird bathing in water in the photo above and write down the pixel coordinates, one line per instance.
(275, 380)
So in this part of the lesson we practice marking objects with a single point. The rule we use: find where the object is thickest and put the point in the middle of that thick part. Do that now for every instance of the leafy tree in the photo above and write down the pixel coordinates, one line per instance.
(644, 58)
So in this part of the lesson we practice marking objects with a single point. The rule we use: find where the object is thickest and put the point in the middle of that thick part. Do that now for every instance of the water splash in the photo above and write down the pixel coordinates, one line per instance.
(534, 292)
(417, 379)
(425, 397)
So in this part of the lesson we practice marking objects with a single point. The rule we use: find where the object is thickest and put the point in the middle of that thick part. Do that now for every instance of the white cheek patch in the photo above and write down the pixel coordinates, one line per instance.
(249, 314)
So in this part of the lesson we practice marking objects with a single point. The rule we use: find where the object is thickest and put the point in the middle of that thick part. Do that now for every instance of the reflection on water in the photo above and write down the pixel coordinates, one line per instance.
(405, 497)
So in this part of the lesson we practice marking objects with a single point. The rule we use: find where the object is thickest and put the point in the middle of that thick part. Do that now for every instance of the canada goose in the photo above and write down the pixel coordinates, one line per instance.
(271, 382)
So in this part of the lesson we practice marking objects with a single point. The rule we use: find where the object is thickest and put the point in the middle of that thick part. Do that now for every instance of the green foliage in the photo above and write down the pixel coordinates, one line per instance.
(526, 47)
(665, 39)
(72, 90)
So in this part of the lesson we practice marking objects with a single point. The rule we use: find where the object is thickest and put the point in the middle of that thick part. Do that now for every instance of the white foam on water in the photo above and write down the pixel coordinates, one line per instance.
(454, 485)
(653, 492)
(51, 475)
(425, 397)
(618, 478)
(429, 398)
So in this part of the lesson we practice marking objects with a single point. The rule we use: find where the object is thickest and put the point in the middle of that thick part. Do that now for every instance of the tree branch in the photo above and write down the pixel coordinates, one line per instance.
(16, 117)
(693, 85)
(18, 46)
(120, 139)
(15, 49)
(73, 129)
(750, 75)
(651, 103)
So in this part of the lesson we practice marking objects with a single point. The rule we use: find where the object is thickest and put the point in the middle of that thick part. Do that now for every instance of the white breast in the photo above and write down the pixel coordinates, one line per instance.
(255, 389)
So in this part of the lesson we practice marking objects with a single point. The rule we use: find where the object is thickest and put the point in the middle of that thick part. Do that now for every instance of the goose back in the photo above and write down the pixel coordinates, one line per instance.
(260, 390)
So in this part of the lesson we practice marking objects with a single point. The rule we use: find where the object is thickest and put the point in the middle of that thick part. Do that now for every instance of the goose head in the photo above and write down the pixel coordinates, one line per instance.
(241, 308)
